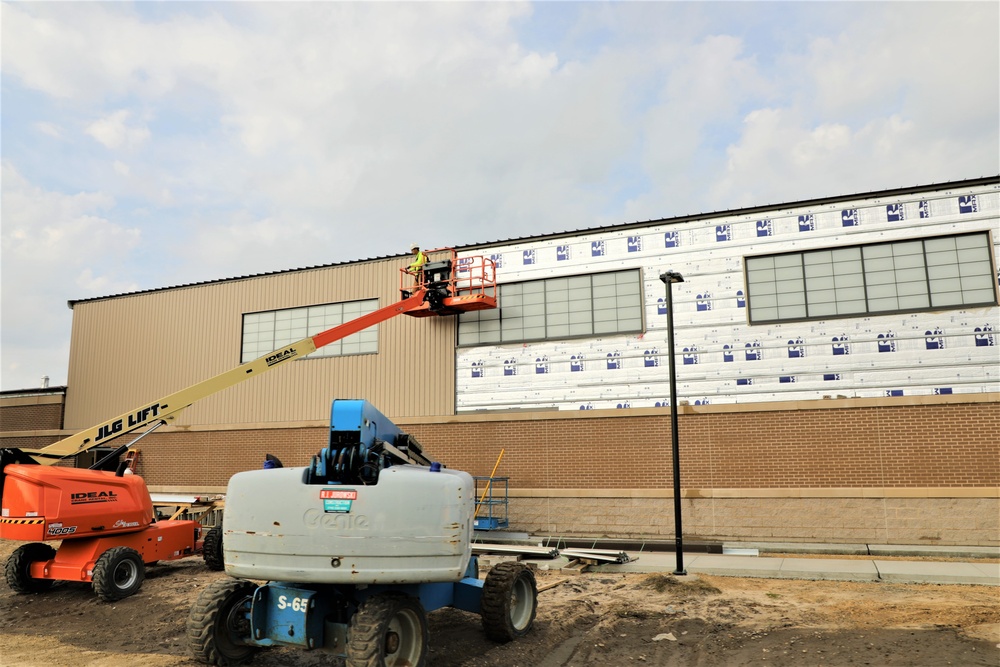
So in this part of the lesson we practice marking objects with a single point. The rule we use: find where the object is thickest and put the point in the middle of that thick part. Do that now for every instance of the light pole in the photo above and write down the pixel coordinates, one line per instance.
(669, 278)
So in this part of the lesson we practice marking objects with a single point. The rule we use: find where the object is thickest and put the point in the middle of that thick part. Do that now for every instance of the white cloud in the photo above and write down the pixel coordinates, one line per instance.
(49, 129)
(114, 131)
(54, 247)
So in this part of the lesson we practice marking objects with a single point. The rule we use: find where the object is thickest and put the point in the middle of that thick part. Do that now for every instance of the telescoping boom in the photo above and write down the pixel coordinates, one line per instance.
(444, 288)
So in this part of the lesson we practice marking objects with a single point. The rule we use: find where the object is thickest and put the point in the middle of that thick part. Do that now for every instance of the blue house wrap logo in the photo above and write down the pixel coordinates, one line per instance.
(651, 358)
(895, 213)
(497, 259)
(984, 336)
(841, 346)
(807, 223)
(576, 363)
(528, 257)
(934, 340)
(562, 253)
(796, 348)
(478, 369)
(691, 356)
(727, 352)
(703, 302)
(541, 365)
(614, 360)
(968, 204)
(671, 240)
(741, 300)
(887, 342)
(661, 306)
(765, 228)
(635, 244)
(510, 366)
(924, 208)
(753, 351)
(598, 249)
(849, 217)
(723, 233)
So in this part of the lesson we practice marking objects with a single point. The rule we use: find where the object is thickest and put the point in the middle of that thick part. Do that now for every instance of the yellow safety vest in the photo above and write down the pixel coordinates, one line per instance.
(419, 262)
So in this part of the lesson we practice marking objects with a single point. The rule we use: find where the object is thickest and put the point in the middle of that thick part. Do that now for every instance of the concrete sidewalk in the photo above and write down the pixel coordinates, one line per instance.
(834, 569)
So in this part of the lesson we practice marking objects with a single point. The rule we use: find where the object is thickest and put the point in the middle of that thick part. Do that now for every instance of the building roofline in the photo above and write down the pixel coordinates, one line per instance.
(33, 391)
(816, 201)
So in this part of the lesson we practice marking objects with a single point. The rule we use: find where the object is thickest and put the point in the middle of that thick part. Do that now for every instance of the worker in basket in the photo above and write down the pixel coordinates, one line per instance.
(416, 267)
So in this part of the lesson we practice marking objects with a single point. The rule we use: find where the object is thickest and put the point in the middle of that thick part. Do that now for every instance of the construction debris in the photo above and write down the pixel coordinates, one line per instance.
(579, 558)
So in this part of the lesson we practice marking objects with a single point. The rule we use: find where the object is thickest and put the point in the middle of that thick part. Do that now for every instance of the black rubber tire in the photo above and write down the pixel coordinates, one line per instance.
(118, 573)
(509, 602)
(18, 569)
(219, 624)
(388, 630)
(211, 550)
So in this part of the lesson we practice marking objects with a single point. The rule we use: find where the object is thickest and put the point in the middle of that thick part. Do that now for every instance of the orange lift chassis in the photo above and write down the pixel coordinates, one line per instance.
(106, 520)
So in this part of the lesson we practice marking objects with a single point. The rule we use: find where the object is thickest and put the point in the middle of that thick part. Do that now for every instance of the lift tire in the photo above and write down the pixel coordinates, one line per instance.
(118, 573)
(18, 569)
(509, 602)
(211, 550)
(388, 630)
(218, 624)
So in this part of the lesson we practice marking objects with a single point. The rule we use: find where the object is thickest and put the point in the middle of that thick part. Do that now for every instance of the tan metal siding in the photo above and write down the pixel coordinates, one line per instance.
(132, 349)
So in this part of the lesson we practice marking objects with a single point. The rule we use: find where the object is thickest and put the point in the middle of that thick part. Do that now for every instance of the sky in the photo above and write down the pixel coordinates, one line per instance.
(152, 144)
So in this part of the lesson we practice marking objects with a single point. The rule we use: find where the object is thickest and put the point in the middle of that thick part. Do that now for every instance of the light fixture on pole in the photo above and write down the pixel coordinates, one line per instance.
(669, 278)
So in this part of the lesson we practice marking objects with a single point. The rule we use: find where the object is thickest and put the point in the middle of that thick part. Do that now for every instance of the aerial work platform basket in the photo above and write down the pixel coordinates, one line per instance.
(453, 285)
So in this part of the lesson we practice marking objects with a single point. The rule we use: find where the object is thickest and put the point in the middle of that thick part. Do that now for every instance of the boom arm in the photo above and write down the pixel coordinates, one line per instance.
(168, 407)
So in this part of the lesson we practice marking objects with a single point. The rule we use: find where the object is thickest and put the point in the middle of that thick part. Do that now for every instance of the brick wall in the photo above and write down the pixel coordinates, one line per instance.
(949, 445)
(845, 471)
(31, 417)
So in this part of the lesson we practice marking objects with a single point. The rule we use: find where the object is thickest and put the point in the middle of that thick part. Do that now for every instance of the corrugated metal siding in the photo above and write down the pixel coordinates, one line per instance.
(129, 350)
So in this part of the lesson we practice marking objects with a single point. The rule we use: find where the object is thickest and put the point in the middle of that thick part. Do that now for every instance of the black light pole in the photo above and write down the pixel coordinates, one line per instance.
(669, 278)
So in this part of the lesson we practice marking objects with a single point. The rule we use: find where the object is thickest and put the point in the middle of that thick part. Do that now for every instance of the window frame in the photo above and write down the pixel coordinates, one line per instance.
(334, 349)
(538, 292)
(872, 290)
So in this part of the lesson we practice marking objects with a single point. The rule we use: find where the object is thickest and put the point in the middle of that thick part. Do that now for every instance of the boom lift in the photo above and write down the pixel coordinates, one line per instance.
(365, 540)
(106, 520)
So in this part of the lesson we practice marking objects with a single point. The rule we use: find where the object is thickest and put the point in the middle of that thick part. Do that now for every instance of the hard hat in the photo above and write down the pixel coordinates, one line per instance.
(414, 246)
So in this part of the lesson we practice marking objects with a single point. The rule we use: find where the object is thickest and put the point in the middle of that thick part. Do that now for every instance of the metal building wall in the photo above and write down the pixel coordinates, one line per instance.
(131, 349)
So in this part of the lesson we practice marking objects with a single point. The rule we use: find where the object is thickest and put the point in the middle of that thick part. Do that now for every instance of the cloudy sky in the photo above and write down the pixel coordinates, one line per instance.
(152, 144)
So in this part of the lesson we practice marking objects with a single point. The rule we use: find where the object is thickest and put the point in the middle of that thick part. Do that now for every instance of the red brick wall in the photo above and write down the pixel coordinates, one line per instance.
(939, 445)
(39, 417)
(948, 445)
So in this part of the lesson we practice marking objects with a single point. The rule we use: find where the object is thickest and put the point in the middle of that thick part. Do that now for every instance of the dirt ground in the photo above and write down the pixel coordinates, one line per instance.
(587, 619)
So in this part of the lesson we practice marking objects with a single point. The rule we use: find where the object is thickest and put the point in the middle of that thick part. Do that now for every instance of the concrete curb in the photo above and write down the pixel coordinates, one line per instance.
(826, 569)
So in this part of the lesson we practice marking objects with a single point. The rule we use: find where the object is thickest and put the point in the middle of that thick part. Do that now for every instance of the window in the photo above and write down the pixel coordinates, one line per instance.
(271, 330)
(920, 274)
(603, 303)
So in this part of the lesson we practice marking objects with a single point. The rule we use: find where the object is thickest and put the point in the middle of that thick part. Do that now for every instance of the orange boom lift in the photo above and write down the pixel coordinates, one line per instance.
(106, 520)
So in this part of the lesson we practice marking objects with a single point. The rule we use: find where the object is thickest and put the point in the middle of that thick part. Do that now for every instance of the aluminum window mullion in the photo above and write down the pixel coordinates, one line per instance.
(805, 283)
(927, 273)
(864, 279)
